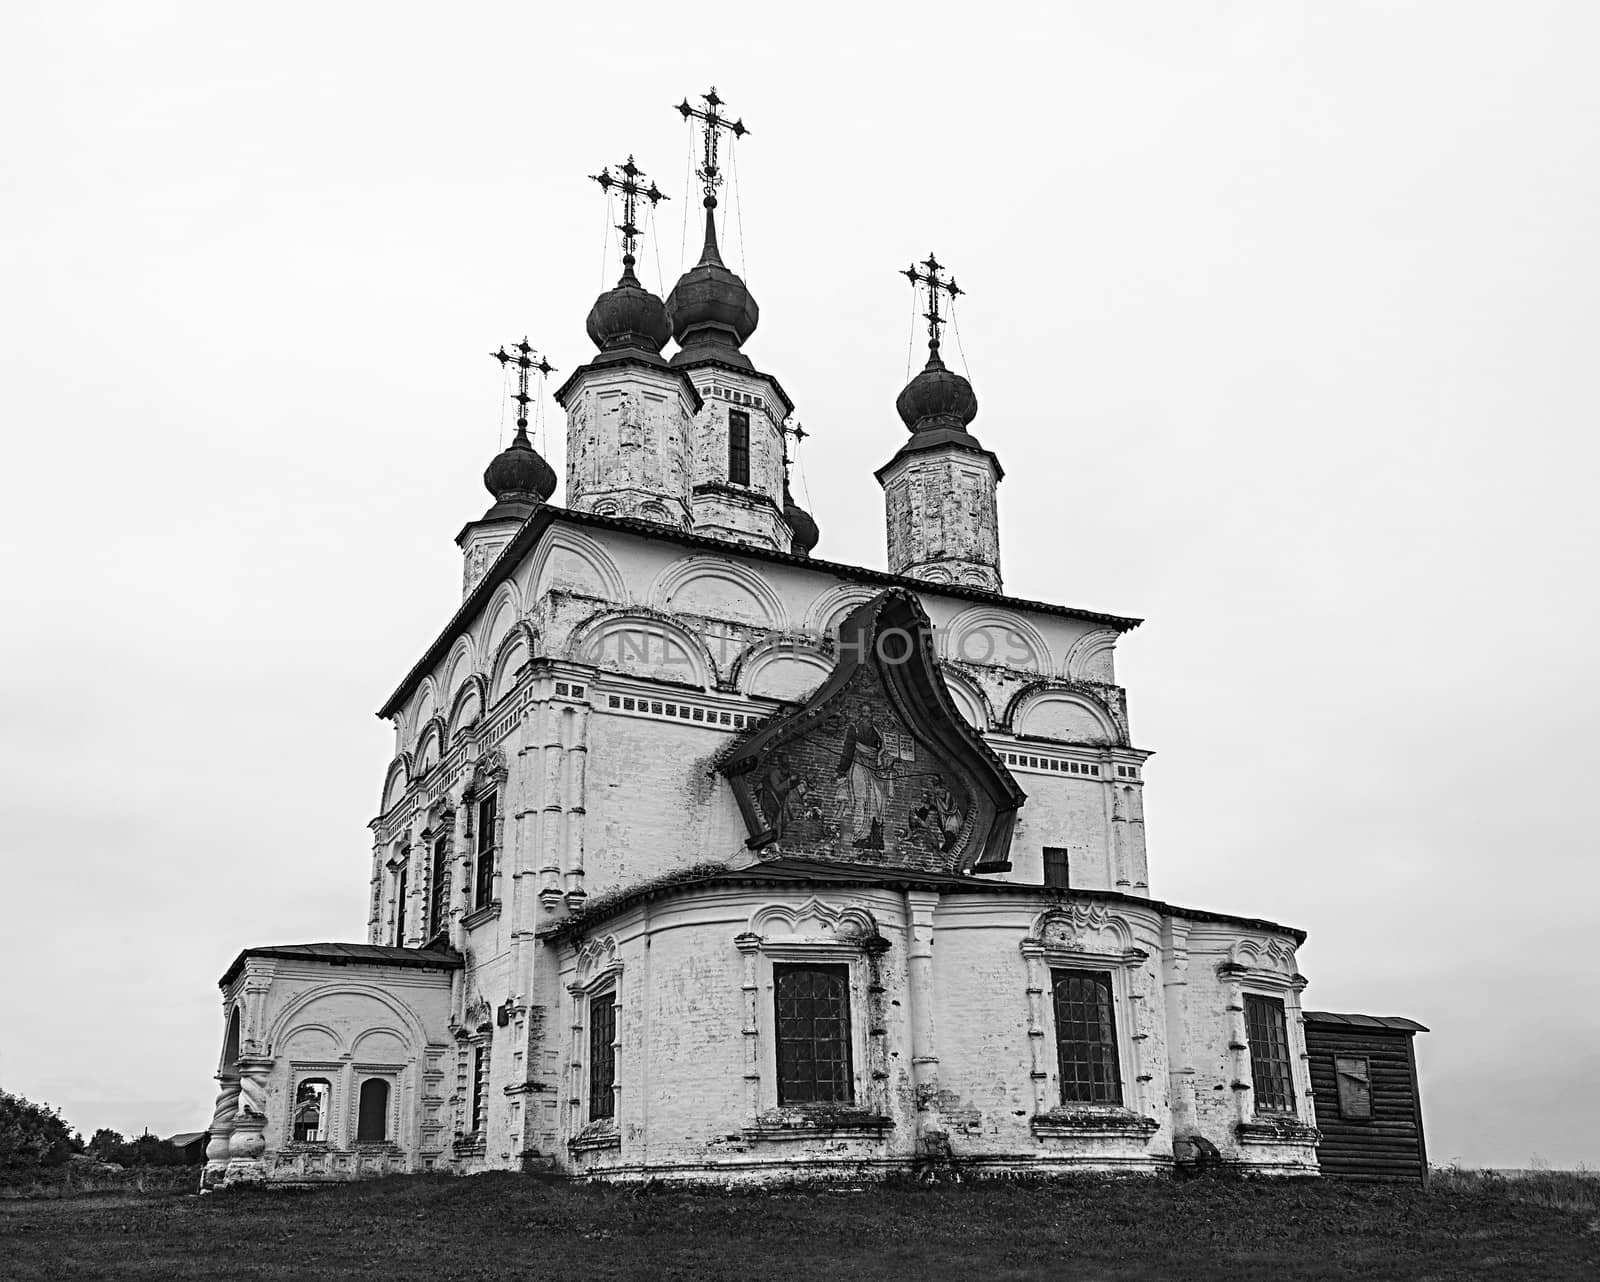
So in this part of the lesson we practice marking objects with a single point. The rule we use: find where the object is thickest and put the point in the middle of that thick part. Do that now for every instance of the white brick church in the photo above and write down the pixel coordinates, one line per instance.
(701, 857)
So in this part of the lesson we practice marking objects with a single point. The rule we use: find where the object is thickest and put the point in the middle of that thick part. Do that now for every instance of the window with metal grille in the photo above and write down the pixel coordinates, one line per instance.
(488, 813)
(438, 917)
(813, 1017)
(1086, 1037)
(1055, 867)
(739, 447)
(400, 890)
(372, 1112)
(1271, 1076)
(480, 1087)
(602, 1056)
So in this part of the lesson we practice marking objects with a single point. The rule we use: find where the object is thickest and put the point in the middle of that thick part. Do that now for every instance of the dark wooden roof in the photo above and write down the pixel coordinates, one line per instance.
(1387, 1023)
(548, 515)
(789, 872)
(349, 955)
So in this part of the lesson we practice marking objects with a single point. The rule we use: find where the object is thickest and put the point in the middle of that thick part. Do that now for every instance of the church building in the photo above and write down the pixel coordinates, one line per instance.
(702, 857)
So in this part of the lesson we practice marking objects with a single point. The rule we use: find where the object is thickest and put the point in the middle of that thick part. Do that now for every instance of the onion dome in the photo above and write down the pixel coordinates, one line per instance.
(711, 310)
(800, 521)
(518, 474)
(937, 397)
(628, 316)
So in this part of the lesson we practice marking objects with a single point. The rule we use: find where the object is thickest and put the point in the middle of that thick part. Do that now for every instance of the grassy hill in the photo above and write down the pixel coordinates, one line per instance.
(435, 1229)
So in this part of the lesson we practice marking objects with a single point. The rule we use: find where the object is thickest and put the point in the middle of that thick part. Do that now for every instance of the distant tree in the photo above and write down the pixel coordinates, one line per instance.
(32, 1136)
(105, 1144)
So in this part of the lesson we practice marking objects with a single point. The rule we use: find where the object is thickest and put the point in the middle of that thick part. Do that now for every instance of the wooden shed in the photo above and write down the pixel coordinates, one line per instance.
(1364, 1079)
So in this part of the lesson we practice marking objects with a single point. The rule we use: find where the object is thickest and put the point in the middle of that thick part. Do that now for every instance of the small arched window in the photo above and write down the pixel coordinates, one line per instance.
(311, 1099)
(372, 1115)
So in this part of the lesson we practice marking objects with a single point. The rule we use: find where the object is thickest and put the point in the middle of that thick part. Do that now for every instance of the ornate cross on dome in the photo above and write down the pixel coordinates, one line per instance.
(526, 366)
(713, 123)
(936, 285)
(632, 187)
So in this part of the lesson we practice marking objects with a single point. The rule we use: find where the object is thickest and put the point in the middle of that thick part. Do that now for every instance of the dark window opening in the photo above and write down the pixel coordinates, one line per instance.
(1272, 1077)
(400, 889)
(311, 1110)
(1086, 1037)
(488, 816)
(440, 885)
(372, 1112)
(1354, 1076)
(480, 1088)
(813, 1015)
(739, 447)
(1055, 867)
(602, 1057)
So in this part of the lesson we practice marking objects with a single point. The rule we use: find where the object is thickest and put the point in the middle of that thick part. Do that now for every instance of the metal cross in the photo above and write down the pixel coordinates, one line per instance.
(714, 122)
(631, 185)
(791, 426)
(935, 285)
(526, 366)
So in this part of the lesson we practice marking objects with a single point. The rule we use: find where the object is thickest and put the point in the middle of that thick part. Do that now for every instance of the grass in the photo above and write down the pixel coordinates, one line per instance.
(513, 1227)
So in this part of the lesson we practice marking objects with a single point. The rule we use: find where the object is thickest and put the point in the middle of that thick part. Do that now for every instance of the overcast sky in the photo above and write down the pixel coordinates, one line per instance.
(1282, 319)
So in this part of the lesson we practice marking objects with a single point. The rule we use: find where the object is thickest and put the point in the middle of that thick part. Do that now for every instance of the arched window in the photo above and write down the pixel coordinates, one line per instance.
(230, 1045)
(372, 1115)
(311, 1110)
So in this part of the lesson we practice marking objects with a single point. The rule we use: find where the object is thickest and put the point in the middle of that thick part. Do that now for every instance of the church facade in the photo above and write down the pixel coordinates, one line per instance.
(701, 857)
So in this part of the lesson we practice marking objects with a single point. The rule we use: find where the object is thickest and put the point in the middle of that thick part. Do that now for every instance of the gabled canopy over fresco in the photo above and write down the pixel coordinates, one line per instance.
(878, 766)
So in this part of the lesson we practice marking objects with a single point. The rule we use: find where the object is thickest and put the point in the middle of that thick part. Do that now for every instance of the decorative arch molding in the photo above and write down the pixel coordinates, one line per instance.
(461, 664)
(644, 643)
(675, 582)
(1084, 930)
(424, 708)
(761, 670)
(988, 636)
(593, 561)
(1083, 717)
(968, 696)
(395, 782)
(503, 670)
(430, 737)
(597, 958)
(312, 1026)
(1263, 961)
(285, 1018)
(505, 609)
(378, 1031)
(1089, 659)
(816, 921)
(826, 613)
(463, 715)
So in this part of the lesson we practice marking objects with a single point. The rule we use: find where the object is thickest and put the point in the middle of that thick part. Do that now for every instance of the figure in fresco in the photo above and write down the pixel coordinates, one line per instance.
(782, 797)
(866, 781)
(936, 820)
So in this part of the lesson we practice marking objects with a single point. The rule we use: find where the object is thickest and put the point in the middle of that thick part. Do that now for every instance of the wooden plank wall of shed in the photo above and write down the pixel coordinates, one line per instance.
(1389, 1147)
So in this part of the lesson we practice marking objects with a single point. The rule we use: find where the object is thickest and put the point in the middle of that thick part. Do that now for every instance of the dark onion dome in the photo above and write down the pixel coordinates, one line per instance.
(518, 474)
(628, 316)
(711, 310)
(937, 397)
(805, 529)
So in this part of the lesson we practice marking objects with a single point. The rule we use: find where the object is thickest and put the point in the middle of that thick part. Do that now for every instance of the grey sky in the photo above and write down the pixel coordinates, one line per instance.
(1282, 319)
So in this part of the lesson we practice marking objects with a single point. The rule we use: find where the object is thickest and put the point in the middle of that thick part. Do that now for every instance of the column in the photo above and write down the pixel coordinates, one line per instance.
(920, 905)
(1033, 956)
(749, 946)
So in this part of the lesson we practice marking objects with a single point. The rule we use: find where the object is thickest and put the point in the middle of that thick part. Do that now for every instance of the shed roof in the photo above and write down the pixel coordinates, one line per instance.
(349, 955)
(1388, 1023)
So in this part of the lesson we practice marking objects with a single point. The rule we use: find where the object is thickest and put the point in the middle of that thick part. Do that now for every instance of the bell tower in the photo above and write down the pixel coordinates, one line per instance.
(939, 488)
(630, 413)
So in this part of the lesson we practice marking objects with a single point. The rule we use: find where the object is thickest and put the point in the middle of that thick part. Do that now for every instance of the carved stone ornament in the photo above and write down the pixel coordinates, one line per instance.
(488, 769)
(878, 766)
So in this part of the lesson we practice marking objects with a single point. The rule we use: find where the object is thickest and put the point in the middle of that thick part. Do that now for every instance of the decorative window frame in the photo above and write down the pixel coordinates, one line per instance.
(489, 775)
(440, 826)
(331, 1071)
(1266, 968)
(828, 934)
(1082, 936)
(478, 1031)
(360, 1074)
(598, 972)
